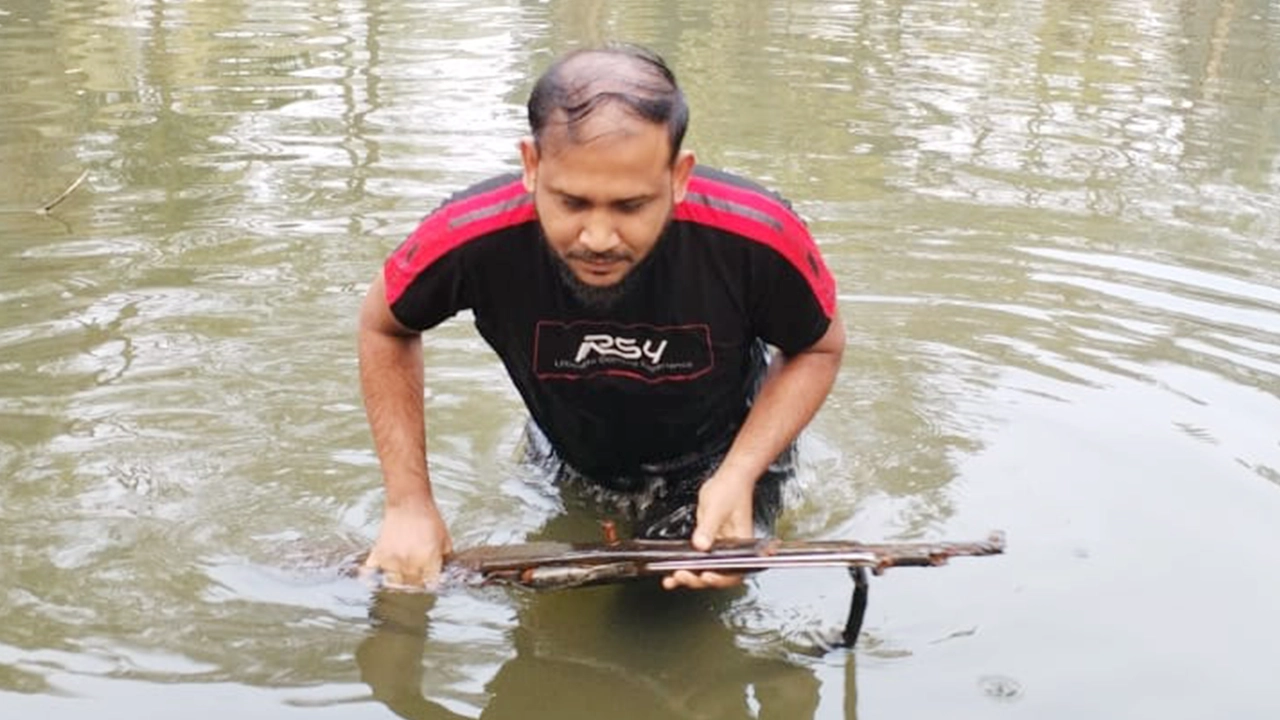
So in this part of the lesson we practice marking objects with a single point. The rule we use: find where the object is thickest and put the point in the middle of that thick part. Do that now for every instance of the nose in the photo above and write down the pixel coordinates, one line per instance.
(598, 235)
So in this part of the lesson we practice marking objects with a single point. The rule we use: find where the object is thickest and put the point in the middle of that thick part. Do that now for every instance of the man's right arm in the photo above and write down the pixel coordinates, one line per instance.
(414, 537)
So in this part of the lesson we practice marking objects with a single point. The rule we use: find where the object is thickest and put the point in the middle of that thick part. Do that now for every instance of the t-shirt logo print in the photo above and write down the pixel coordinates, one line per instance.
(649, 353)
(623, 347)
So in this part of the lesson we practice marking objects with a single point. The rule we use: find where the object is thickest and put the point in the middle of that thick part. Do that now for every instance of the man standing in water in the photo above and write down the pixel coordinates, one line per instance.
(631, 296)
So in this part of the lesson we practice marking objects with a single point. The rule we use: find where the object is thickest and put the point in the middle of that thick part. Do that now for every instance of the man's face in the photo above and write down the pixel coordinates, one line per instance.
(604, 200)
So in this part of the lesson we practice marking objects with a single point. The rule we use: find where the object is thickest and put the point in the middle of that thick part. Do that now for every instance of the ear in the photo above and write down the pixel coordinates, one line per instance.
(681, 171)
(529, 160)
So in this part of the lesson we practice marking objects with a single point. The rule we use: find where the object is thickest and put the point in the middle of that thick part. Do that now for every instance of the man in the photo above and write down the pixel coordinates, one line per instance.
(630, 296)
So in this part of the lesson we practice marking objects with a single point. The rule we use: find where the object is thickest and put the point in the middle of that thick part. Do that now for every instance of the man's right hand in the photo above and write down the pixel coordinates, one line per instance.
(411, 546)
(414, 539)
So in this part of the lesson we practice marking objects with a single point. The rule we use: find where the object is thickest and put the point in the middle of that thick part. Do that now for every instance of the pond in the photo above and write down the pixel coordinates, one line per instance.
(1054, 227)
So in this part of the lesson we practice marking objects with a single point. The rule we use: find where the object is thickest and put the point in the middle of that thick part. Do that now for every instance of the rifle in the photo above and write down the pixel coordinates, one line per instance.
(555, 565)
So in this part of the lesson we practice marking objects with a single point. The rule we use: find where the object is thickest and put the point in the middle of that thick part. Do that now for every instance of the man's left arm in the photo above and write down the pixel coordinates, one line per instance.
(787, 401)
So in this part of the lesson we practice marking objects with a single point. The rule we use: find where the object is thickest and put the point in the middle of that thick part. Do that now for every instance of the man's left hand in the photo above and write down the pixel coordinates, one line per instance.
(724, 511)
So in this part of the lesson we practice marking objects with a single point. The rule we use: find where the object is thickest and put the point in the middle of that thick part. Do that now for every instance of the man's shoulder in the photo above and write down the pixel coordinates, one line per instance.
(488, 206)
(731, 206)
(730, 203)
(487, 197)
(718, 181)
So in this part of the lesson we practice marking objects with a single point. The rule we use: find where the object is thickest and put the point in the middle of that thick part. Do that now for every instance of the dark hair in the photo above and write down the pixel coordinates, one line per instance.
(582, 81)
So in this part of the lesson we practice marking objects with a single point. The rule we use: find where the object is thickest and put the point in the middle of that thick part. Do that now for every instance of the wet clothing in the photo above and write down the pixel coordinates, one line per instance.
(661, 379)
(659, 501)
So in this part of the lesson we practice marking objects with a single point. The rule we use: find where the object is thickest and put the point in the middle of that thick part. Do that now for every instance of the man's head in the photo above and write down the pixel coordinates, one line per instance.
(604, 161)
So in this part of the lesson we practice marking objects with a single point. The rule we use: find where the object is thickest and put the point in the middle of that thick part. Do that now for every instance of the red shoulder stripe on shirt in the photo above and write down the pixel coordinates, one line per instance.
(754, 215)
(453, 225)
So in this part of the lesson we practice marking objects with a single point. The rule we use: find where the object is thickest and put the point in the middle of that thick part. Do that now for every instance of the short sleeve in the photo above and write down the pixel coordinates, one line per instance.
(424, 297)
(792, 296)
(426, 277)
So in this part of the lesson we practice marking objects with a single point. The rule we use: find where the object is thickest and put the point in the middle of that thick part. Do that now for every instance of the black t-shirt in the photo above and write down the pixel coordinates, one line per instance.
(671, 367)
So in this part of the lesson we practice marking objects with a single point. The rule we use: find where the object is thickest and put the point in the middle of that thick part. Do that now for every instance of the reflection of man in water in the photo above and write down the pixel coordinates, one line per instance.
(630, 296)
(626, 652)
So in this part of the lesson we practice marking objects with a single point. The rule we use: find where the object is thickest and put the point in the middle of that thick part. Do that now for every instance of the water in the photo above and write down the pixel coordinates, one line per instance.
(1053, 226)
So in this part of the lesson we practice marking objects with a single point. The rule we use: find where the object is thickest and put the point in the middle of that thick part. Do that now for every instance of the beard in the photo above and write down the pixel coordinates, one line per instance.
(601, 298)
(598, 298)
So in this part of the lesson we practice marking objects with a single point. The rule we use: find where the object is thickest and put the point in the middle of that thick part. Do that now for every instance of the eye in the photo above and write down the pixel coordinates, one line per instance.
(631, 206)
(573, 204)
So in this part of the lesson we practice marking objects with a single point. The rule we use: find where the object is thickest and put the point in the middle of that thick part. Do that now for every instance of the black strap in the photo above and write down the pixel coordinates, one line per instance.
(857, 606)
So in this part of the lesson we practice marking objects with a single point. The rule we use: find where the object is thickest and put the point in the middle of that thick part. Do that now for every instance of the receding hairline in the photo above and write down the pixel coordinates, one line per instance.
(623, 77)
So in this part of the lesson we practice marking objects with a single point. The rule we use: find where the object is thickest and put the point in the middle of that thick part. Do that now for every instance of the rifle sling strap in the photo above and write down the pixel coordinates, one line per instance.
(857, 607)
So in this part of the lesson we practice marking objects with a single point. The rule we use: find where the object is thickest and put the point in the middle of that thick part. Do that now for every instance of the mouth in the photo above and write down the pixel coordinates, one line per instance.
(599, 270)
(598, 281)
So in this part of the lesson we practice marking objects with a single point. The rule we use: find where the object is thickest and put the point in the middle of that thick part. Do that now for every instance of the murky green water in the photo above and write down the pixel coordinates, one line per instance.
(1055, 226)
